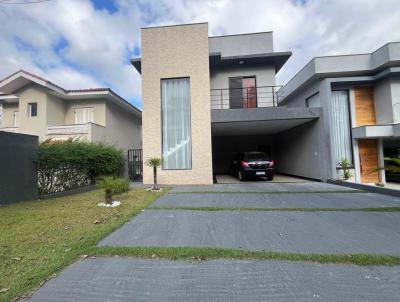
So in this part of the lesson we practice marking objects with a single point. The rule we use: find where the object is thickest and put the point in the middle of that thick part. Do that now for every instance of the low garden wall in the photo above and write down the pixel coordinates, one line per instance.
(18, 167)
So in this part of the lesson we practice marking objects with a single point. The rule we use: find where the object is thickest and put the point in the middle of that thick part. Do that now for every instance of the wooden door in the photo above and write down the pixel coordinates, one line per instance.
(364, 105)
(368, 150)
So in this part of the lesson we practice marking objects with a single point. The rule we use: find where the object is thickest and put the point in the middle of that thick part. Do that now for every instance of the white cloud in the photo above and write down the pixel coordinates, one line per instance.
(99, 44)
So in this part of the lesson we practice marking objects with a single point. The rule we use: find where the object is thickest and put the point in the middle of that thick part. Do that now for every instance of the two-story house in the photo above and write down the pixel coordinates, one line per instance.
(360, 98)
(205, 98)
(32, 105)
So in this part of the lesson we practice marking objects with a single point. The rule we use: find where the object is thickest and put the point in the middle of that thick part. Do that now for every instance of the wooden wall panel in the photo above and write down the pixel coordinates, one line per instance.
(364, 105)
(368, 149)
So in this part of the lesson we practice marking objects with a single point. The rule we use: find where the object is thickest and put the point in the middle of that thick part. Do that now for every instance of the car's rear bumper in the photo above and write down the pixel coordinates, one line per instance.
(249, 172)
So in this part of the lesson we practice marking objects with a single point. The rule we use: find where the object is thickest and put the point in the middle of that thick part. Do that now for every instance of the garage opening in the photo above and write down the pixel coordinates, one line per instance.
(293, 145)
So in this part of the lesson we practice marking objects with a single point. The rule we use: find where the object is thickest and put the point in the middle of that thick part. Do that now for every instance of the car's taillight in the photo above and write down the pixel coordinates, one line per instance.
(245, 163)
(271, 164)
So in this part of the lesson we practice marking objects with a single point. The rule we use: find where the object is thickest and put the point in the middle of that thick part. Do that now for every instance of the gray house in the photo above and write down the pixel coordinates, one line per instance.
(206, 98)
(360, 100)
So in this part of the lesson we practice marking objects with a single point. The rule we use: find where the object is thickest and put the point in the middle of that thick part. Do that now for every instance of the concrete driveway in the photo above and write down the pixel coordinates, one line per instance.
(275, 217)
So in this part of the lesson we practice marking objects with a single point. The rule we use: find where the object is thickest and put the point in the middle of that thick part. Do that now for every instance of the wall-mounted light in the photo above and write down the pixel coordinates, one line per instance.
(241, 62)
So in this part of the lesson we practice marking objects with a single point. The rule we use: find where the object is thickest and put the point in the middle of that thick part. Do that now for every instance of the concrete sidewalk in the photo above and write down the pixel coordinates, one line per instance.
(128, 279)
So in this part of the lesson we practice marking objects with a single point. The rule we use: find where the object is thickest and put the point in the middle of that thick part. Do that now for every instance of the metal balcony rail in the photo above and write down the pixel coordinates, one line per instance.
(247, 97)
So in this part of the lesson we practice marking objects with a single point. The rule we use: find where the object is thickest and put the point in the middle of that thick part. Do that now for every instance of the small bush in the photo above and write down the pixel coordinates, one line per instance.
(112, 186)
(345, 164)
(70, 164)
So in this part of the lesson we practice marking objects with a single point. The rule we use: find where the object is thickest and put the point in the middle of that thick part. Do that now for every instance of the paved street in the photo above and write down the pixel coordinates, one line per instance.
(246, 217)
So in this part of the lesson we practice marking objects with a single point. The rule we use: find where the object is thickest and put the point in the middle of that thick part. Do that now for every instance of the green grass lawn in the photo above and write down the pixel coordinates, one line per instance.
(39, 238)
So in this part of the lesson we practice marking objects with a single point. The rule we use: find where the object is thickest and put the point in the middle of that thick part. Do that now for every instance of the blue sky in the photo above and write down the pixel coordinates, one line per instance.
(88, 43)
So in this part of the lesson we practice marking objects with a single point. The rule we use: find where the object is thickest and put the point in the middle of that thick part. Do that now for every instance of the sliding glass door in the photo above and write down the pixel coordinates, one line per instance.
(176, 124)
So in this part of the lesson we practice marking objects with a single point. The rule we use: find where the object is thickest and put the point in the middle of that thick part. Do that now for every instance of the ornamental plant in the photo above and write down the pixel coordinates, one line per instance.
(154, 162)
(345, 165)
(112, 185)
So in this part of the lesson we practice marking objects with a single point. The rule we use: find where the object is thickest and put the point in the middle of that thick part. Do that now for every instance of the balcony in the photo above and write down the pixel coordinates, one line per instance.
(248, 97)
(89, 132)
(9, 129)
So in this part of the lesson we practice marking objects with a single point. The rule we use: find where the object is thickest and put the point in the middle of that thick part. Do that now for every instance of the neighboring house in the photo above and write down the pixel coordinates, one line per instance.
(205, 98)
(360, 99)
(32, 105)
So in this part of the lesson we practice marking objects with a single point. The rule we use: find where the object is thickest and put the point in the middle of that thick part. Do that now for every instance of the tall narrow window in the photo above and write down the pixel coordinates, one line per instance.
(83, 115)
(341, 128)
(32, 109)
(176, 124)
(16, 119)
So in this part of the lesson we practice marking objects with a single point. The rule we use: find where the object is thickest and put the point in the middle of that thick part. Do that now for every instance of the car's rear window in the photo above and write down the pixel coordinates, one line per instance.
(256, 156)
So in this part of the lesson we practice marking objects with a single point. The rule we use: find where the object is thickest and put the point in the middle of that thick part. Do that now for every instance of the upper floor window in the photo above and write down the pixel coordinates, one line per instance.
(242, 92)
(313, 101)
(32, 109)
(83, 115)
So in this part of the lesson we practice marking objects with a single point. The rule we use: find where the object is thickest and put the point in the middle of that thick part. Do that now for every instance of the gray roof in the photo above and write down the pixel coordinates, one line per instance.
(344, 66)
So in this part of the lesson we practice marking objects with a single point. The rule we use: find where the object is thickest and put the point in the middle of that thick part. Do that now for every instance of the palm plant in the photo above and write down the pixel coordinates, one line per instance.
(112, 185)
(345, 165)
(393, 164)
(154, 162)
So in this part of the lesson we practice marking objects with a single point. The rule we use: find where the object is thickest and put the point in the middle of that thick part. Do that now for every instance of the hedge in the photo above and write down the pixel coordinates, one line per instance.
(65, 165)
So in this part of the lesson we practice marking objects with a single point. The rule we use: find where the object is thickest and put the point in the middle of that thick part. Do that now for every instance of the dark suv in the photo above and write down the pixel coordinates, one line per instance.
(252, 164)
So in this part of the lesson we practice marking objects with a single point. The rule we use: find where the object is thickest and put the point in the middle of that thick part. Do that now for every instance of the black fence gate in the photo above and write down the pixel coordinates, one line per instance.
(135, 164)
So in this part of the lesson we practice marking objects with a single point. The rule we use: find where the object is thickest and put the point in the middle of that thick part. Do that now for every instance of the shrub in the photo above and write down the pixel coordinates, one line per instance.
(112, 185)
(345, 165)
(70, 164)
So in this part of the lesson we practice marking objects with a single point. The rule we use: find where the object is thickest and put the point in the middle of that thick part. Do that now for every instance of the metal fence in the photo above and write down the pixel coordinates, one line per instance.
(249, 97)
(135, 164)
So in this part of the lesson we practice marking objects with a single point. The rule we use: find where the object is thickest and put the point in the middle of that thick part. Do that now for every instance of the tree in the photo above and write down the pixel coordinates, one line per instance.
(154, 162)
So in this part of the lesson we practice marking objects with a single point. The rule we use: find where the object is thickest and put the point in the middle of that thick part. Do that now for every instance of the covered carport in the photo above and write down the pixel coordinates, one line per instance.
(291, 136)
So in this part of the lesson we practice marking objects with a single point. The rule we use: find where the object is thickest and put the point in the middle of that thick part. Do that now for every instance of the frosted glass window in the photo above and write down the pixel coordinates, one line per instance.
(313, 101)
(341, 129)
(83, 115)
(176, 124)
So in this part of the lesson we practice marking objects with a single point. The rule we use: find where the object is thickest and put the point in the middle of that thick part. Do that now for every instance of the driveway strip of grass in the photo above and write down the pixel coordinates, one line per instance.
(198, 253)
(211, 208)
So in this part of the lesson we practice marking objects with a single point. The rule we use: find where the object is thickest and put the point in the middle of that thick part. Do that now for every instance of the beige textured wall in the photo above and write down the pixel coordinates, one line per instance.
(8, 113)
(168, 52)
(122, 128)
(56, 109)
(99, 110)
(33, 125)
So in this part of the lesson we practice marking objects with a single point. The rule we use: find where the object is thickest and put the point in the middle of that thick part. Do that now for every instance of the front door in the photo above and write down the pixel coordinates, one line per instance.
(368, 149)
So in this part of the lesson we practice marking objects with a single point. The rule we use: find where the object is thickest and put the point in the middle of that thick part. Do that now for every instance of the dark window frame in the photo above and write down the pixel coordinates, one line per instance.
(31, 106)
(243, 77)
